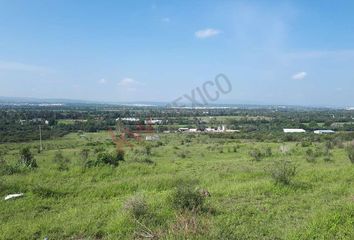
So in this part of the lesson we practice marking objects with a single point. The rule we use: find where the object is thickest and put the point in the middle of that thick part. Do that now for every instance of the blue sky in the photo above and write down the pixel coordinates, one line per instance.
(273, 52)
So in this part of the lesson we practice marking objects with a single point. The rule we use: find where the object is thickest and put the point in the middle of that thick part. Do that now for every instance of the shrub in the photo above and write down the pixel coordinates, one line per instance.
(221, 149)
(255, 154)
(310, 156)
(329, 145)
(61, 161)
(119, 156)
(27, 158)
(284, 149)
(186, 197)
(147, 150)
(183, 153)
(327, 153)
(306, 144)
(283, 171)
(7, 169)
(268, 152)
(105, 158)
(85, 153)
(141, 155)
(136, 206)
(350, 152)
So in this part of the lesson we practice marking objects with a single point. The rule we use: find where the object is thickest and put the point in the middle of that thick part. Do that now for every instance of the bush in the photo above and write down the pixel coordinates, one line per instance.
(27, 158)
(147, 150)
(61, 161)
(350, 152)
(255, 154)
(136, 206)
(327, 153)
(105, 158)
(85, 153)
(183, 153)
(268, 152)
(186, 197)
(283, 171)
(306, 144)
(141, 155)
(7, 169)
(310, 156)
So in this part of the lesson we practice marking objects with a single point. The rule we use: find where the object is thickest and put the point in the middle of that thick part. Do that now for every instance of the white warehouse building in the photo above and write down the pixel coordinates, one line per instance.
(293, 130)
(324, 132)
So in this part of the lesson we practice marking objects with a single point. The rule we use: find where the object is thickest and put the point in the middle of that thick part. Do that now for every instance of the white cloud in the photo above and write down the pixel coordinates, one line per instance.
(206, 33)
(22, 67)
(129, 83)
(102, 81)
(299, 76)
(165, 20)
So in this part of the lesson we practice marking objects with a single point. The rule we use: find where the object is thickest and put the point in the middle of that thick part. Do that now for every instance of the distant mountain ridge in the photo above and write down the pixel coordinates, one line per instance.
(38, 100)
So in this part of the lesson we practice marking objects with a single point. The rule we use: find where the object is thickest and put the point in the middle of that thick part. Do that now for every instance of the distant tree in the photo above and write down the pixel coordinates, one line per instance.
(27, 158)
(313, 125)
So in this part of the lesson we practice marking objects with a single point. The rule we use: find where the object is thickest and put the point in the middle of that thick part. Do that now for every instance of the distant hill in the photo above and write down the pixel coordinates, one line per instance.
(38, 100)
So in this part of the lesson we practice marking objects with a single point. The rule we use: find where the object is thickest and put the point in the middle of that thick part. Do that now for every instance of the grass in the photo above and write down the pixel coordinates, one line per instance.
(245, 202)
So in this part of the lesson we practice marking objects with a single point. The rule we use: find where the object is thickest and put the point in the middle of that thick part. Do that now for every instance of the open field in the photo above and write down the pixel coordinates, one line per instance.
(244, 203)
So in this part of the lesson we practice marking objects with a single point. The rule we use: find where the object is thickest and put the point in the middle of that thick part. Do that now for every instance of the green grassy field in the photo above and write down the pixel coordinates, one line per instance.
(244, 203)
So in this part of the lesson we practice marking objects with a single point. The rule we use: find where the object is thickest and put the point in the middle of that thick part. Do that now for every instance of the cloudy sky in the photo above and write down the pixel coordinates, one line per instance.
(273, 52)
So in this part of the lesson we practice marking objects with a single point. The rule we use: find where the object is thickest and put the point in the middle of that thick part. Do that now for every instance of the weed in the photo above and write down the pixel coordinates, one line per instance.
(27, 158)
(136, 206)
(186, 197)
(282, 171)
(350, 152)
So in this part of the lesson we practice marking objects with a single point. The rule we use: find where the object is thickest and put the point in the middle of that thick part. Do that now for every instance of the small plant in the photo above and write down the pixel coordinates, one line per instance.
(141, 155)
(350, 152)
(105, 158)
(147, 149)
(282, 171)
(329, 145)
(110, 159)
(235, 148)
(61, 161)
(255, 154)
(284, 149)
(310, 156)
(327, 154)
(136, 206)
(221, 149)
(268, 152)
(85, 153)
(27, 159)
(183, 153)
(7, 169)
(306, 144)
(185, 197)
